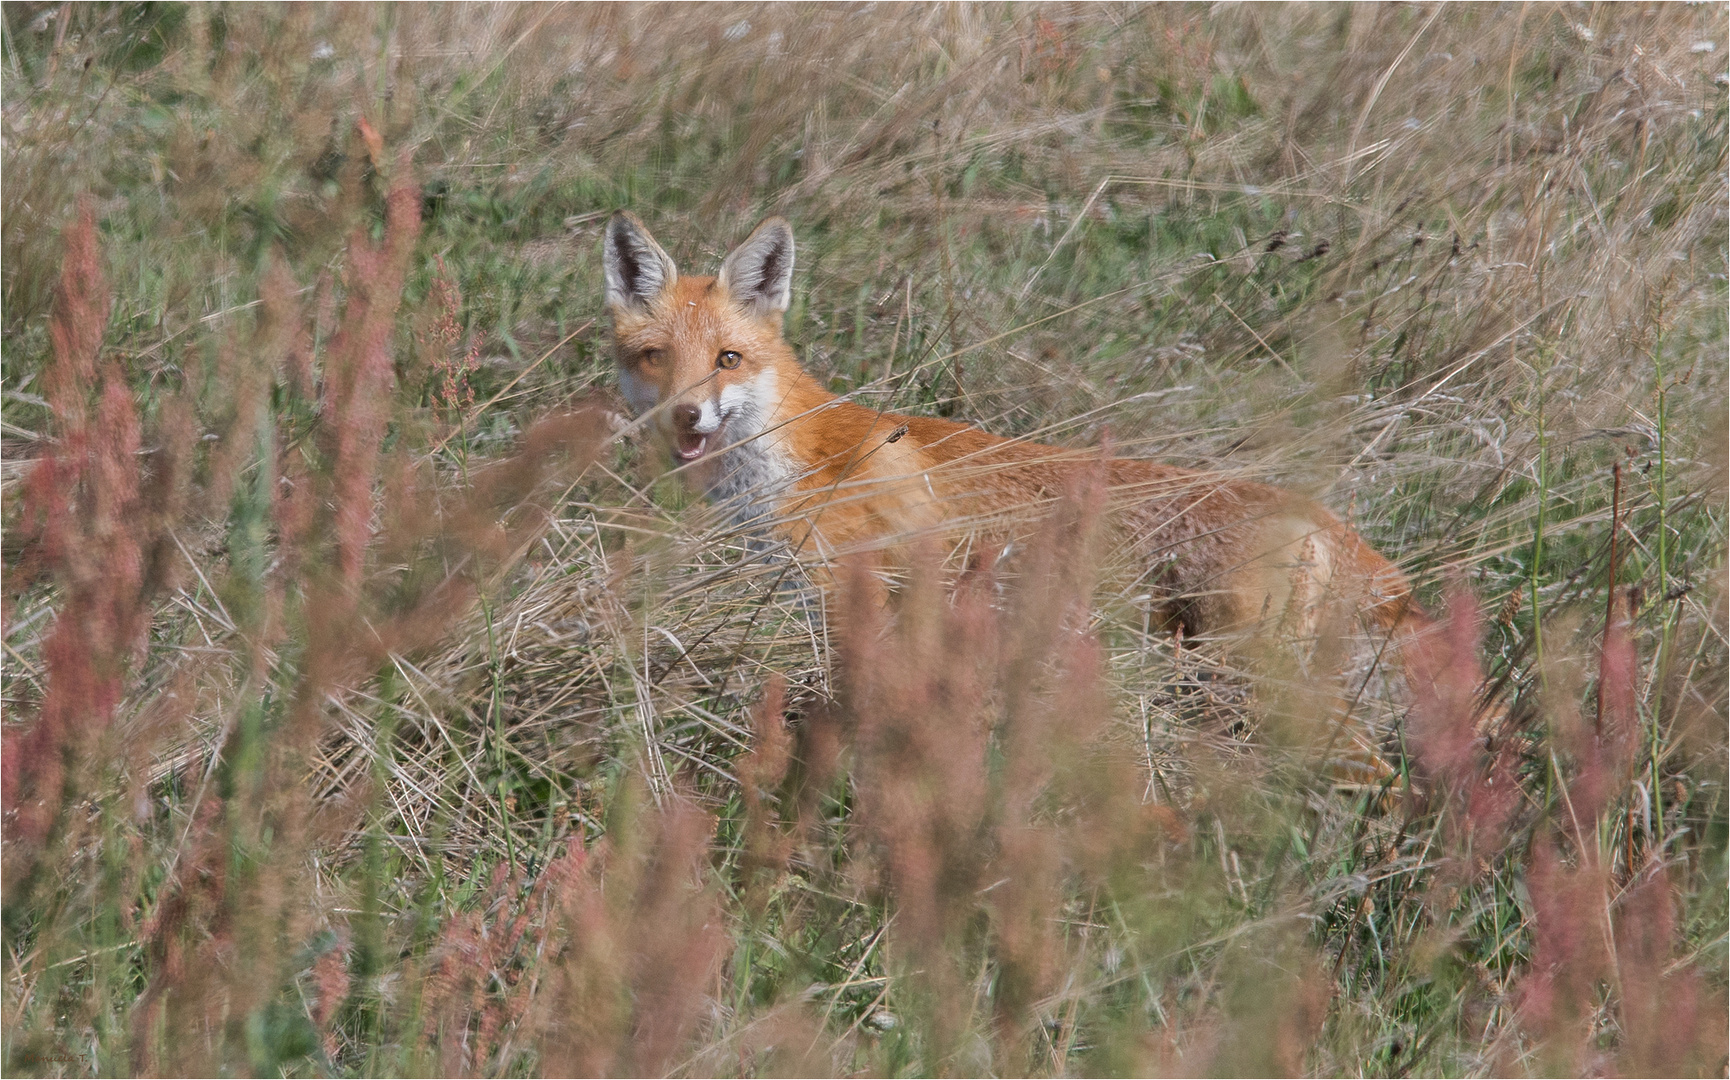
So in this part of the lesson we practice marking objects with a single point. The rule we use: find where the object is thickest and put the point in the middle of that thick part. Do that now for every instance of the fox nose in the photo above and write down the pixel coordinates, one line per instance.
(685, 416)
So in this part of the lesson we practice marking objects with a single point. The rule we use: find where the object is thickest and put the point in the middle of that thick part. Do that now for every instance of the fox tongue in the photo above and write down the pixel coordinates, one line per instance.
(692, 445)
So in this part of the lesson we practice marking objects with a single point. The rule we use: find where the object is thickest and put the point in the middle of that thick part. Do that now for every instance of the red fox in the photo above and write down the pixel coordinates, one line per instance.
(705, 357)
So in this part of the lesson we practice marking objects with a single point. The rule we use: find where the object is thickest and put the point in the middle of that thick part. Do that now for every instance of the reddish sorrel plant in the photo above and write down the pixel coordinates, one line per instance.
(1605, 990)
(975, 716)
(602, 965)
(89, 525)
(1603, 950)
(635, 945)
(453, 394)
(234, 901)
(1465, 768)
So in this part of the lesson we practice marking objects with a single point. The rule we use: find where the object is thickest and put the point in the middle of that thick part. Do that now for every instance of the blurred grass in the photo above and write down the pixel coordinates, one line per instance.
(1393, 256)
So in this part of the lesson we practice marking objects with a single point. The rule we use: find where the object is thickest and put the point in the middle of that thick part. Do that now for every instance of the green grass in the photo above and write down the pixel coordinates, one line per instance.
(1440, 274)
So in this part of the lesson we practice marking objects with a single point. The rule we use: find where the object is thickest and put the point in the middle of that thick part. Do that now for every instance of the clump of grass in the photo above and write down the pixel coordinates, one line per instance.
(365, 713)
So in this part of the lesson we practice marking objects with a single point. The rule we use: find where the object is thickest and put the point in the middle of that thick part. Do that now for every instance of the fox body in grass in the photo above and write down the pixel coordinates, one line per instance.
(705, 357)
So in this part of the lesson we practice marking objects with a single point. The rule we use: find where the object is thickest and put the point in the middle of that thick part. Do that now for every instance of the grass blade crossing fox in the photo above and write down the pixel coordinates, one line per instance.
(740, 415)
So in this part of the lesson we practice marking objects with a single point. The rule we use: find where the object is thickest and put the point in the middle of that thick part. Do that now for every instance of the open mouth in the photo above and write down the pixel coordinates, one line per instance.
(691, 445)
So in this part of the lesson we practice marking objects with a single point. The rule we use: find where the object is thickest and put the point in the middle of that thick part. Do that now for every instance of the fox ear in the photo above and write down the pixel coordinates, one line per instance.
(759, 272)
(637, 269)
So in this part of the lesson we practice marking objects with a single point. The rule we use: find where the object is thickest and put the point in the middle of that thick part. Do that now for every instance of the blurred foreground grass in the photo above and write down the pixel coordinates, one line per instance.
(370, 709)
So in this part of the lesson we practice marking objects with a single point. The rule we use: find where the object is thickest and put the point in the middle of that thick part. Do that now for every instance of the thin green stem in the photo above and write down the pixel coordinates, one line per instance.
(1665, 621)
(1534, 572)
(1538, 545)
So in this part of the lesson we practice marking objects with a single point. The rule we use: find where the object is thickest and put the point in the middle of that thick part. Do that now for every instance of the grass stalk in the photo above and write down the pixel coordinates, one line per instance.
(1666, 609)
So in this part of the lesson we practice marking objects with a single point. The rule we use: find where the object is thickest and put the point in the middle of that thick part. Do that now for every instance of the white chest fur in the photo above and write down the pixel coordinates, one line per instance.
(752, 477)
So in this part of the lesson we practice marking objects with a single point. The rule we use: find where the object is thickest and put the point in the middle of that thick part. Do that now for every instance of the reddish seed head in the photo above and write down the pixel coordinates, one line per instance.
(78, 323)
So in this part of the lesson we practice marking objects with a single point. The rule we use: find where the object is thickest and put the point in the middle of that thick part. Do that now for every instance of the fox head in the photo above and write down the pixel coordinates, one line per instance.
(702, 352)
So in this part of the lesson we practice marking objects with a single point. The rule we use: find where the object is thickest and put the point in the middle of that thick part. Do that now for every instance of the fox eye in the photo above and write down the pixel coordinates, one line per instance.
(650, 356)
(728, 359)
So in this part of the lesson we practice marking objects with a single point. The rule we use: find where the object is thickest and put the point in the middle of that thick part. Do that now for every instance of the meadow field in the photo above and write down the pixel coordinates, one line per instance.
(374, 704)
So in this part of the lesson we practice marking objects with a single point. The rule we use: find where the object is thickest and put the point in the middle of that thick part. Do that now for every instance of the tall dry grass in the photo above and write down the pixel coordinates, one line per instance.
(374, 706)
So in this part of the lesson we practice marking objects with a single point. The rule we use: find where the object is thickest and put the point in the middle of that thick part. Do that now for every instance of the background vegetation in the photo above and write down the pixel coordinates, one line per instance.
(372, 707)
